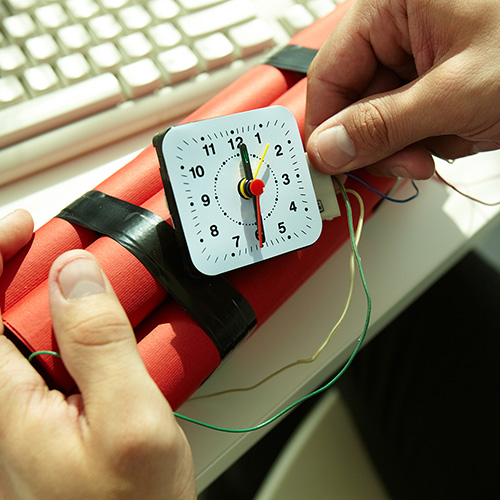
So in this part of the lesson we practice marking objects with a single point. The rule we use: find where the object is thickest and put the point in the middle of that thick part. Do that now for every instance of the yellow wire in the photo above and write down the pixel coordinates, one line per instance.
(352, 269)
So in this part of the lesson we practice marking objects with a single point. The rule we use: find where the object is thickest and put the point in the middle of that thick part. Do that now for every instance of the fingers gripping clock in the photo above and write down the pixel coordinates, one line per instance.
(238, 188)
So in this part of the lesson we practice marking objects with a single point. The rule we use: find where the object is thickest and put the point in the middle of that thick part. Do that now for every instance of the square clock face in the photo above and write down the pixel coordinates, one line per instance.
(238, 188)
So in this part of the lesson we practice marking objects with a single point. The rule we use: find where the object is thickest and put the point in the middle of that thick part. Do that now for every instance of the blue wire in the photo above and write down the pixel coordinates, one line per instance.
(382, 195)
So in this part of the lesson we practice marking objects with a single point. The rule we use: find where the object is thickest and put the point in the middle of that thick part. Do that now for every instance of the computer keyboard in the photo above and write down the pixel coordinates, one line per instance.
(78, 74)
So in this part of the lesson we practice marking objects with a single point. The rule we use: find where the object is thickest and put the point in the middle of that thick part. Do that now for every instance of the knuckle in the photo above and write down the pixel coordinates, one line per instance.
(372, 126)
(96, 327)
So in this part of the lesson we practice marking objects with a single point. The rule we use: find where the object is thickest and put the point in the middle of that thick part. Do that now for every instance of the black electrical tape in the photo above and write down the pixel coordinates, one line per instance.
(293, 58)
(220, 310)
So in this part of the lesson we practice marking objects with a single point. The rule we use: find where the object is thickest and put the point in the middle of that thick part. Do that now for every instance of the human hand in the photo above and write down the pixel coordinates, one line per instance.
(398, 79)
(118, 439)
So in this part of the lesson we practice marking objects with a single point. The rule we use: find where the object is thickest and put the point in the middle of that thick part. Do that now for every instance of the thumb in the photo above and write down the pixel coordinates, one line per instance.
(96, 341)
(380, 126)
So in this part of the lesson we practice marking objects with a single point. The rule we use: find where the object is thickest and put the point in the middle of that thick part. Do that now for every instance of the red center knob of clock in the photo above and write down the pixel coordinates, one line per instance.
(257, 187)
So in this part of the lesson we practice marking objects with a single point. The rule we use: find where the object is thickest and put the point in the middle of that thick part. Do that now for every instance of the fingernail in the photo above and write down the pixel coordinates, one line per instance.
(335, 146)
(80, 278)
(7, 216)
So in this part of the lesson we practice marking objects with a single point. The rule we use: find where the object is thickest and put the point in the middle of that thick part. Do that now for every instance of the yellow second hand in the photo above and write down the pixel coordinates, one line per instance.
(261, 160)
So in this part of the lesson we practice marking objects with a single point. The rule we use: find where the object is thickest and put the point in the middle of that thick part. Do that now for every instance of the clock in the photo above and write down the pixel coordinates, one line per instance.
(238, 188)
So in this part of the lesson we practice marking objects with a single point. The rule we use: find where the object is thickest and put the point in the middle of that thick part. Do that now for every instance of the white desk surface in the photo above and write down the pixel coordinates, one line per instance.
(404, 248)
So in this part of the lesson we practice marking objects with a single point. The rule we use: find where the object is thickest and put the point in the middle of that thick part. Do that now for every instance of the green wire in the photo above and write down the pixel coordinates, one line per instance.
(346, 365)
(38, 353)
(317, 391)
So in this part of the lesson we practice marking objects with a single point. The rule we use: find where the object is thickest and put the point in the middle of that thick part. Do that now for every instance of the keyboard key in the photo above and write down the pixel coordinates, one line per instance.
(73, 68)
(105, 57)
(135, 18)
(252, 37)
(51, 16)
(140, 78)
(12, 59)
(163, 10)
(114, 4)
(135, 46)
(215, 50)
(105, 28)
(216, 18)
(19, 27)
(82, 9)
(74, 38)
(192, 5)
(21, 5)
(42, 48)
(165, 36)
(31, 118)
(179, 63)
(296, 18)
(11, 91)
(41, 79)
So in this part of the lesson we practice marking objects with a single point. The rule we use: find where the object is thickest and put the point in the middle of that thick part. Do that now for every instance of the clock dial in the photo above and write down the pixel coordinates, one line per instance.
(239, 188)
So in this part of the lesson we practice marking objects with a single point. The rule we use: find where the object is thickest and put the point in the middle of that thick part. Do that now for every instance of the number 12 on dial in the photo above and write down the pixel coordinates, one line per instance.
(238, 188)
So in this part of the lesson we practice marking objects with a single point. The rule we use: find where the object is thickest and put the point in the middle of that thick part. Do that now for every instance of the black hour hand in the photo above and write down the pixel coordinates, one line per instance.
(247, 169)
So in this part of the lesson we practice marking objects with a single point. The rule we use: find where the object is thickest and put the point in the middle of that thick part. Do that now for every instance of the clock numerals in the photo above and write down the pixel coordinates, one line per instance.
(236, 142)
(197, 171)
(209, 149)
